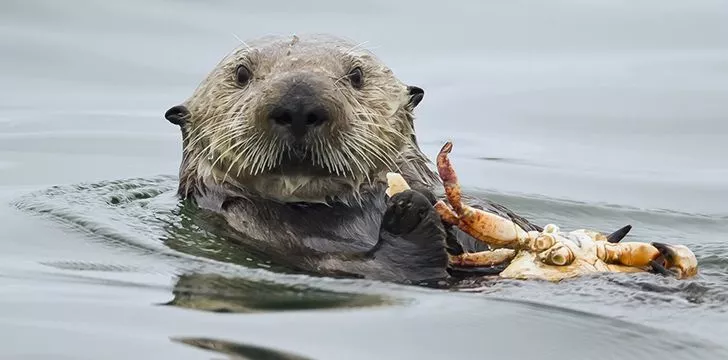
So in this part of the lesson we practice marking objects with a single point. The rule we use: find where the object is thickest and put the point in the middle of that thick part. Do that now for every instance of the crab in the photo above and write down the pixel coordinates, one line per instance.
(550, 254)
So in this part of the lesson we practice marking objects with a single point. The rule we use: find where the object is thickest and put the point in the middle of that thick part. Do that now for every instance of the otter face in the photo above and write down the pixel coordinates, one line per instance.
(301, 119)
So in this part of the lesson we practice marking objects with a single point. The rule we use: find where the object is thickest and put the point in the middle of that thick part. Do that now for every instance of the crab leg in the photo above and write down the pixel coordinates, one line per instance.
(627, 253)
(447, 214)
(490, 228)
(483, 258)
(678, 258)
(449, 178)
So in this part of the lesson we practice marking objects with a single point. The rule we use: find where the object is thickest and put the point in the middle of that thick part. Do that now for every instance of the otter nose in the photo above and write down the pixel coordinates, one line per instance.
(299, 117)
(299, 110)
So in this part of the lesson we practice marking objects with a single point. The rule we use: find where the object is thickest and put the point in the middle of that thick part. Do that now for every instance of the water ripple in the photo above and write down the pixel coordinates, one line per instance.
(144, 214)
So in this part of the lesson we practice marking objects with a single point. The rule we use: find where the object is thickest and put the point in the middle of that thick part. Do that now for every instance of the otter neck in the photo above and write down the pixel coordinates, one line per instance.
(295, 189)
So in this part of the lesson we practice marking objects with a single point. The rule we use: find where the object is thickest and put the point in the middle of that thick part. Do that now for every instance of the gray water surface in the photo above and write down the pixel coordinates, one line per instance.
(596, 114)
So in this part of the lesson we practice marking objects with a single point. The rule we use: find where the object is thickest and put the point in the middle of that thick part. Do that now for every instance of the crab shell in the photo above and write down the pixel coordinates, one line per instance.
(572, 254)
(395, 184)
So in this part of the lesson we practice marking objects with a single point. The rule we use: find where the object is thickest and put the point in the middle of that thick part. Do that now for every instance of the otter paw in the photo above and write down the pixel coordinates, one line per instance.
(405, 211)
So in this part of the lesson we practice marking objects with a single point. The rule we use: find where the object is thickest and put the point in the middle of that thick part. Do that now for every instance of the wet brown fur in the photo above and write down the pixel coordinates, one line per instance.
(326, 214)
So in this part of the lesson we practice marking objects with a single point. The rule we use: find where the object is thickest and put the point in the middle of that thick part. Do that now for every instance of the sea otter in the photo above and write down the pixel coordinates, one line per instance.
(290, 140)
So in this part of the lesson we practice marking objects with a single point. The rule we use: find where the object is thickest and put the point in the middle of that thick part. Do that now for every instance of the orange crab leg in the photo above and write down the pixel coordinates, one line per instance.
(678, 258)
(449, 178)
(627, 253)
(476, 259)
(483, 258)
(480, 224)
(500, 232)
(446, 213)
(449, 216)
(484, 226)
(490, 228)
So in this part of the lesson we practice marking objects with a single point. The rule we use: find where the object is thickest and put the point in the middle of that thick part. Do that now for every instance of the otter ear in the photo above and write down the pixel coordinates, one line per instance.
(415, 95)
(177, 115)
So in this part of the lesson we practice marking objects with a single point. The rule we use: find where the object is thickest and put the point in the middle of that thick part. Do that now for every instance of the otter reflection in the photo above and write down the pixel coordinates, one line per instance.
(217, 293)
(206, 234)
(239, 351)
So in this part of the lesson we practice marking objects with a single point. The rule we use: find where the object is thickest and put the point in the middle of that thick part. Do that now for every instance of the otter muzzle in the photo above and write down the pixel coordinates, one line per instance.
(299, 110)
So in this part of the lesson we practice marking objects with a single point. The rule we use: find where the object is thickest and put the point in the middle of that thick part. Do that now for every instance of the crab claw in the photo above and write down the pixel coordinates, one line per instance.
(490, 228)
(449, 178)
(618, 235)
(637, 254)
(675, 260)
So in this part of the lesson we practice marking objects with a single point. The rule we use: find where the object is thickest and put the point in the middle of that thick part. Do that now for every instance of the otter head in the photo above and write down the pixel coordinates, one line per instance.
(299, 120)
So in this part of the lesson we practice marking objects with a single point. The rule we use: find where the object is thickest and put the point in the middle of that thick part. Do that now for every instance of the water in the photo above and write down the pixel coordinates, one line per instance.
(591, 114)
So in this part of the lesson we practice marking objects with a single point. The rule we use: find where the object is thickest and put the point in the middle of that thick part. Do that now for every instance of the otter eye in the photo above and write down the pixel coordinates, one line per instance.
(242, 75)
(356, 77)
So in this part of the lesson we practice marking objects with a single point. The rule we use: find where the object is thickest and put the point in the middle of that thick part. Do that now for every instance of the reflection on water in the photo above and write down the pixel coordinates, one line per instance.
(216, 293)
(203, 233)
(239, 351)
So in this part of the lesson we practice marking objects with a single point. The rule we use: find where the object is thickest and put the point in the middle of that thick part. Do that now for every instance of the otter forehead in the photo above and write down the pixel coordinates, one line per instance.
(315, 53)
(308, 43)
